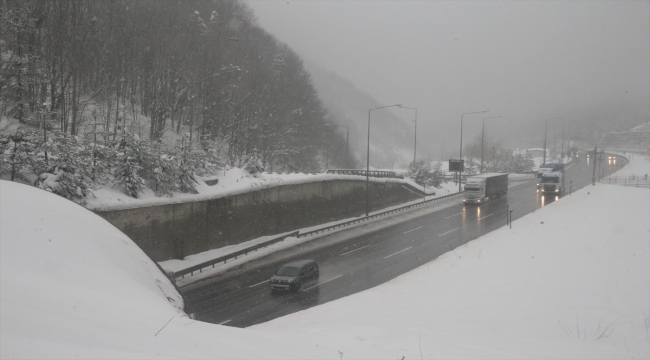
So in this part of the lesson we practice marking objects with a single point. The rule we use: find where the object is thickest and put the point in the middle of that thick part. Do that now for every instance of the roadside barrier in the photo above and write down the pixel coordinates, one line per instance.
(203, 265)
(374, 216)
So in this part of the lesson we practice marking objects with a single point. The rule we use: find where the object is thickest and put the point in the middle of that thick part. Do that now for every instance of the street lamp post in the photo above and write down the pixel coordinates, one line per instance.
(460, 157)
(545, 132)
(368, 154)
(482, 137)
(415, 140)
(347, 140)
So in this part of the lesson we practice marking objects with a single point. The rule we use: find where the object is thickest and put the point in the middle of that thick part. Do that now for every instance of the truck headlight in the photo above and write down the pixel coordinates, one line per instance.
(557, 190)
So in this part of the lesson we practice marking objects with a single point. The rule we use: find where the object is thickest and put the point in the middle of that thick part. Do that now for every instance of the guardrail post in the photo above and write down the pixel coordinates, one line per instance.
(511, 218)
(507, 216)
(570, 186)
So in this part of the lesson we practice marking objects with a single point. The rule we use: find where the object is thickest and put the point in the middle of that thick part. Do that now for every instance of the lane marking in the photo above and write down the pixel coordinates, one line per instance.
(265, 281)
(225, 322)
(453, 215)
(321, 283)
(448, 232)
(515, 204)
(419, 227)
(486, 216)
(355, 250)
(397, 252)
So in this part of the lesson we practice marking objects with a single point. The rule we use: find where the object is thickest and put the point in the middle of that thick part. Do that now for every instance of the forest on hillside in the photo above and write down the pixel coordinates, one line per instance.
(176, 79)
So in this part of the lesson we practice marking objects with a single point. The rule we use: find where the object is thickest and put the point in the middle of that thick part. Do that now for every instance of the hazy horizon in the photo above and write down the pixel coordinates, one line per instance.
(526, 61)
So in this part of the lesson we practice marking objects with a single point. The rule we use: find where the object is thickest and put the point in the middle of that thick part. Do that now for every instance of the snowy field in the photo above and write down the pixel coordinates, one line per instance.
(571, 280)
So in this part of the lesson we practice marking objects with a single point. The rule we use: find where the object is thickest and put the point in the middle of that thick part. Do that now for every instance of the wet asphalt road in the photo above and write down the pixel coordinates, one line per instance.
(372, 255)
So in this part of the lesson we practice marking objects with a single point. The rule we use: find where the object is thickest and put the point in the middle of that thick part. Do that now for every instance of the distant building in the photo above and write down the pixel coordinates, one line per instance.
(534, 152)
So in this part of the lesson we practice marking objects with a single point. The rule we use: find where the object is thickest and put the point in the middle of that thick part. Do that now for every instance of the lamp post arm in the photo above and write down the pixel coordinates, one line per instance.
(545, 133)
(415, 136)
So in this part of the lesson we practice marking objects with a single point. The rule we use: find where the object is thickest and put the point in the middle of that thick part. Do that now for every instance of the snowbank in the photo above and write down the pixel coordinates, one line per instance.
(73, 286)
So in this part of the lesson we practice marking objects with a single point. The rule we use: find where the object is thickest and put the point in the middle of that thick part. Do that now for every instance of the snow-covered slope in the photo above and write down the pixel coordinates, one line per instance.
(73, 286)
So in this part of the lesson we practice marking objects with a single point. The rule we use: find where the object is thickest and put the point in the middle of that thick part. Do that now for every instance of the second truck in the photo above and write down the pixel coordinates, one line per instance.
(480, 188)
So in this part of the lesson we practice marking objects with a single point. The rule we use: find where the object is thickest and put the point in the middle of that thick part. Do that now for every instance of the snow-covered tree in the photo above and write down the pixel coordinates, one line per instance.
(421, 173)
(18, 152)
(254, 164)
(127, 173)
(161, 177)
(66, 173)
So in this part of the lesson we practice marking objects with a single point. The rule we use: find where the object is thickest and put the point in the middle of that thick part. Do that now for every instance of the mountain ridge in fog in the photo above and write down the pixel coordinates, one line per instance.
(391, 135)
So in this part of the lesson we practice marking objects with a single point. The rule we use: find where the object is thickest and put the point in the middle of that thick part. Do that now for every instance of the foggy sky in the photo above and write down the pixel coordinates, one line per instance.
(525, 60)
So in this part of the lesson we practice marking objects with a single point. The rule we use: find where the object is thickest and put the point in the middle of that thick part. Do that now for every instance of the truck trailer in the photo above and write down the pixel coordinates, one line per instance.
(550, 167)
(480, 188)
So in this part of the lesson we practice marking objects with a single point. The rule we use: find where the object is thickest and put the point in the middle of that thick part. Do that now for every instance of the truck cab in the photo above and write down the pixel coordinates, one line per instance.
(551, 183)
(474, 191)
(480, 188)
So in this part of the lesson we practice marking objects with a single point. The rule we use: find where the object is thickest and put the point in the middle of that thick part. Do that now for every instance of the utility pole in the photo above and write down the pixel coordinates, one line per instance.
(593, 177)
(602, 152)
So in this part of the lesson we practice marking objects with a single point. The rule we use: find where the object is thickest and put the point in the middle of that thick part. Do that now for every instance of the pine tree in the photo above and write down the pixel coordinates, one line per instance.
(18, 154)
(254, 164)
(67, 172)
(161, 178)
(185, 172)
(127, 172)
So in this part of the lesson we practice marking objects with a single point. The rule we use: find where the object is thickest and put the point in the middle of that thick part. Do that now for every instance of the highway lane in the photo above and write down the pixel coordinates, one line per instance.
(355, 260)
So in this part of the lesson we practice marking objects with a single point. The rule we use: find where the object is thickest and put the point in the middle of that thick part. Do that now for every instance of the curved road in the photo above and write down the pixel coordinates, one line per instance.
(354, 260)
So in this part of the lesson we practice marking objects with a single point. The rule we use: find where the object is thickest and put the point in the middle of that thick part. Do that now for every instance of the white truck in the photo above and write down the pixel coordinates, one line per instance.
(480, 188)
(551, 183)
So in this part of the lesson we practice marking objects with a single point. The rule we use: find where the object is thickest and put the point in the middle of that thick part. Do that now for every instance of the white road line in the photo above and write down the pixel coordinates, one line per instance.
(265, 281)
(448, 232)
(515, 204)
(453, 215)
(397, 252)
(227, 321)
(419, 227)
(321, 283)
(355, 250)
(486, 216)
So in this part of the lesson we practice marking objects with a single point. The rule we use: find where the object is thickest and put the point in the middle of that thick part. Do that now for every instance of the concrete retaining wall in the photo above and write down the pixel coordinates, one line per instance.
(174, 231)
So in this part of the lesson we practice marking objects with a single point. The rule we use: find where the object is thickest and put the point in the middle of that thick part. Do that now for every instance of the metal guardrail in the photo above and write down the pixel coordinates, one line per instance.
(359, 220)
(372, 173)
(199, 267)
(203, 265)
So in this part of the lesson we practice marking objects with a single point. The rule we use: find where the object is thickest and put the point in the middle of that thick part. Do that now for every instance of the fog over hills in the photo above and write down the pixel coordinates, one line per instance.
(391, 132)
(586, 62)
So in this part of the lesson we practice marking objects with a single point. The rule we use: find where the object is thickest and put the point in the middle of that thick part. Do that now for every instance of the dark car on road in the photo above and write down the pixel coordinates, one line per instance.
(293, 275)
